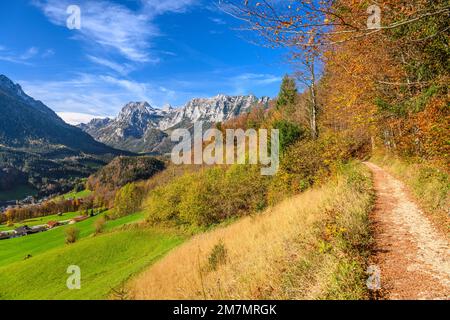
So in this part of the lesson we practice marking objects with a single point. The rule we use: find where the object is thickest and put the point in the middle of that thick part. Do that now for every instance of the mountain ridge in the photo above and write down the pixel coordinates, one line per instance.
(139, 127)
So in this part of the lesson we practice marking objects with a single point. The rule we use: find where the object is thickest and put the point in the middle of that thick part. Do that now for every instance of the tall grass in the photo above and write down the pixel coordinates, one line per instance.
(312, 246)
(429, 185)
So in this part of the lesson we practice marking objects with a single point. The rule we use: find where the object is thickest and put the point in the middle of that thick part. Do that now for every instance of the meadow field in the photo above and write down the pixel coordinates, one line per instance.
(106, 260)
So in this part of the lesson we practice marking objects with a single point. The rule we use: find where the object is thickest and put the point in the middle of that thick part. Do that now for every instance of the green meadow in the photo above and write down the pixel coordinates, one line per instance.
(41, 221)
(77, 195)
(106, 260)
(17, 249)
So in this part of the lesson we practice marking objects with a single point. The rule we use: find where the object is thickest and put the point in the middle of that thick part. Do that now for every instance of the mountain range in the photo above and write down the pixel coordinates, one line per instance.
(39, 150)
(139, 127)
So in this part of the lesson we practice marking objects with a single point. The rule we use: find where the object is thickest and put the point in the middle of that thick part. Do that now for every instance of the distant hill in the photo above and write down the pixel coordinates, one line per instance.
(123, 170)
(35, 142)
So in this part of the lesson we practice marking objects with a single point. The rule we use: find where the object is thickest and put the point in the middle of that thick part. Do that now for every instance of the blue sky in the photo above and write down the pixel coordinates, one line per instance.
(161, 51)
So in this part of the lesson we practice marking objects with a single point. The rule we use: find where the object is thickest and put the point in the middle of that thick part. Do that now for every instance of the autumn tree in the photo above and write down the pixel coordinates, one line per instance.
(315, 24)
(386, 68)
(127, 200)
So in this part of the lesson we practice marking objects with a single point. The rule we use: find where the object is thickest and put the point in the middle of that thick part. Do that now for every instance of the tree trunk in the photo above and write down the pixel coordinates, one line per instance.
(314, 107)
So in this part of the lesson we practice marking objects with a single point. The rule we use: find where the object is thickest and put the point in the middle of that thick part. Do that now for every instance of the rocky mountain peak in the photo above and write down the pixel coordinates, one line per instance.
(167, 108)
(15, 91)
(135, 107)
(141, 128)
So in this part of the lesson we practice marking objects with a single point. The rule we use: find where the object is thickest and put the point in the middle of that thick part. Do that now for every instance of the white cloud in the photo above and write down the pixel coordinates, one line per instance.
(48, 53)
(219, 21)
(87, 96)
(159, 7)
(115, 26)
(30, 53)
(21, 58)
(75, 118)
(123, 69)
(243, 83)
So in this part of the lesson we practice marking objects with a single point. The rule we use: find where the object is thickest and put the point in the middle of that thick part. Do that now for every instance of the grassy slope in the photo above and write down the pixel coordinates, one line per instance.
(105, 261)
(312, 246)
(41, 220)
(13, 250)
(77, 195)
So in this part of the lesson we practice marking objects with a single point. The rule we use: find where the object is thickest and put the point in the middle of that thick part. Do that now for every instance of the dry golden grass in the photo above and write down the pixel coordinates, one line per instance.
(282, 253)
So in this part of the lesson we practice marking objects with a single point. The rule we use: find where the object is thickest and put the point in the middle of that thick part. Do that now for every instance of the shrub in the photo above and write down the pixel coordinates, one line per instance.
(201, 204)
(209, 197)
(218, 256)
(162, 204)
(72, 234)
(290, 132)
(300, 166)
(99, 225)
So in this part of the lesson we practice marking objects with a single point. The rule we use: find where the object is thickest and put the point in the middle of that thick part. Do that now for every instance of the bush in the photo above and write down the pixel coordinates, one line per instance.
(300, 166)
(307, 162)
(217, 257)
(99, 225)
(209, 197)
(72, 234)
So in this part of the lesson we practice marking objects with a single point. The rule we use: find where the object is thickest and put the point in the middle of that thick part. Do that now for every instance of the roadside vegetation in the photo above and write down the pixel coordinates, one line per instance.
(311, 246)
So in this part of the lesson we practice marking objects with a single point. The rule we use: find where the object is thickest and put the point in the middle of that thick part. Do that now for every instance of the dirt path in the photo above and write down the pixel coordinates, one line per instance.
(414, 259)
